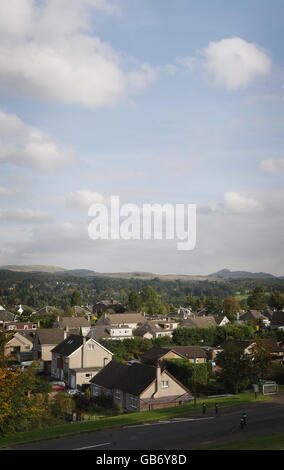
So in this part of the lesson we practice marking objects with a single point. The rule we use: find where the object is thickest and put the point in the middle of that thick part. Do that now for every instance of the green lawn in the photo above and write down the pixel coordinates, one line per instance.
(188, 409)
(270, 442)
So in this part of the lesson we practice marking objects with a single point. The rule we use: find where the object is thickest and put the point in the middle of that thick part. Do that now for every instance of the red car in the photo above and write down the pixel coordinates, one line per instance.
(56, 386)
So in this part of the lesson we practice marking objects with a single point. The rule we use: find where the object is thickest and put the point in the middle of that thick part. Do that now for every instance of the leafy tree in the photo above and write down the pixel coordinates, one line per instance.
(134, 302)
(187, 373)
(231, 307)
(213, 306)
(76, 298)
(276, 300)
(20, 409)
(235, 368)
(261, 358)
(257, 301)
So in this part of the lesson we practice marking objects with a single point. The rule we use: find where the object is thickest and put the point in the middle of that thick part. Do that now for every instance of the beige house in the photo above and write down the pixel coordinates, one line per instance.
(156, 329)
(45, 340)
(74, 323)
(140, 387)
(194, 354)
(77, 359)
(21, 342)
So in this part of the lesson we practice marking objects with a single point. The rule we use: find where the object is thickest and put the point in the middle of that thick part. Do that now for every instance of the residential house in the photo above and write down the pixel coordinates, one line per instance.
(110, 306)
(102, 384)
(199, 322)
(221, 320)
(77, 359)
(101, 332)
(46, 309)
(6, 317)
(45, 340)
(22, 341)
(141, 387)
(73, 323)
(19, 326)
(277, 321)
(184, 313)
(194, 354)
(276, 348)
(156, 329)
(117, 325)
(256, 317)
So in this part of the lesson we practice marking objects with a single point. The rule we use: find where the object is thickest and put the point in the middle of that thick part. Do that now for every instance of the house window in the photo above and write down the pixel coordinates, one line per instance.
(91, 346)
(165, 384)
(96, 392)
(88, 375)
(26, 327)
(117, 394)
(27, 347)
(133, 401)
(11, 327)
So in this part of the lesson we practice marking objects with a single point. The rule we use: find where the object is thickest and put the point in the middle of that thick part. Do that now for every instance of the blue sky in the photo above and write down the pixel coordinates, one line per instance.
(155, 101)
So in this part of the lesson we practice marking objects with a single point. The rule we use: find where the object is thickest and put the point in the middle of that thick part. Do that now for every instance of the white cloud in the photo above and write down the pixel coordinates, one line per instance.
(235, 63)
(236, 203)
(47, 58)
(83, 199)
(26, 146)
(272, 165)
(24, 215)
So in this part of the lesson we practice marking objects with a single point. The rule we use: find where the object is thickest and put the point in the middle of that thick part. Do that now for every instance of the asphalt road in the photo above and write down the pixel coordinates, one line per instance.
(177, 434)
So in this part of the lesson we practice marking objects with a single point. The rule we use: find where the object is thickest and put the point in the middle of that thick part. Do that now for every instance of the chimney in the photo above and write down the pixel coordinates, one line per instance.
(84, 353)
(66, 331)
(158, 378)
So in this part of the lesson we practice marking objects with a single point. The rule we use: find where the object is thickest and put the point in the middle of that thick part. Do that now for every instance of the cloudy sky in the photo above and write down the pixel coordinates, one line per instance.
(159, 101)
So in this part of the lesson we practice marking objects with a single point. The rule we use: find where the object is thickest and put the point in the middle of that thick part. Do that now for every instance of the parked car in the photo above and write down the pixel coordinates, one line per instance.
(75, 391)
(56, 386)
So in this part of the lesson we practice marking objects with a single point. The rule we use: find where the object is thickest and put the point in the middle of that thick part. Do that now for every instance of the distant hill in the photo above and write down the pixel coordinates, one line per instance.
(227, 274)
(223, 274)
(78, 272)
(33, 268)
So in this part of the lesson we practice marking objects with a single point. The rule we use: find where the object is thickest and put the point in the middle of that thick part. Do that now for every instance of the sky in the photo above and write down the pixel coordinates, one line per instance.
(157, 102)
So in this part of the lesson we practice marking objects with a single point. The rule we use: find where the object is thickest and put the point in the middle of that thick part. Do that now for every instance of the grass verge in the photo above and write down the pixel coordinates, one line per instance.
(185, 410)
(270, 442)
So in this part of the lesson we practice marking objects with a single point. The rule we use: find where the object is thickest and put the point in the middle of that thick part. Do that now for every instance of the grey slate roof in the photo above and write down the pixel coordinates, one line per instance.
(50, 335)
(6, 316)
(110, 374)
(69, 345)
(188, 352)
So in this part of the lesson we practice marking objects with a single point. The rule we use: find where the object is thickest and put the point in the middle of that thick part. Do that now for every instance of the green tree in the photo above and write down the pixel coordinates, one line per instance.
(213, 305)
(276, 300)
(235, 368)
(257, 301)
(134, 302)
(231, 307)
(76, 298)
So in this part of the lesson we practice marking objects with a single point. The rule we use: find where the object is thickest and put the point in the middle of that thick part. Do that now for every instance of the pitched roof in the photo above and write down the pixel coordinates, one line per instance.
(188, 352)
(74, 322)
(278, 318)
(110, 374)
(199, 322)
(136, 378)
(121, 318)
(69, 345)
(255, 314)
(7, 316)
(50, 335)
